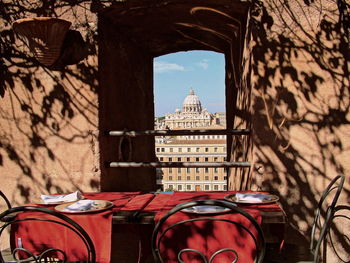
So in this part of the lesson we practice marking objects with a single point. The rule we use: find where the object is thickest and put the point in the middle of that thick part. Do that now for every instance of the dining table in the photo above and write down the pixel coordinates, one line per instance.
(122, 232)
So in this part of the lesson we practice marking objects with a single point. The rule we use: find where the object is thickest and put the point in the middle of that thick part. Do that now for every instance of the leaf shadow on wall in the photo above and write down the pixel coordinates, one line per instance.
(301, 101)
(43, 105)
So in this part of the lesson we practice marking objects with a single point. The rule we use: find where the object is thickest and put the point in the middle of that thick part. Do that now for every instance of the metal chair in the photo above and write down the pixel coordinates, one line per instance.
(40, 215)
(6, 252)
(5, 199)
(322, 227)
(339, 237)
(161, 229)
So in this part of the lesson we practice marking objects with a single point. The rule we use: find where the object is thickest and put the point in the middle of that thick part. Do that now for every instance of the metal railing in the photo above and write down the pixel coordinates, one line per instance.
(127, 134)
(179, 132)
(177, 164)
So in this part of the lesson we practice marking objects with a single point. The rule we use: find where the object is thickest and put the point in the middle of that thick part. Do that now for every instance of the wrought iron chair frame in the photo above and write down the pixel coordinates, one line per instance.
(67, 222)
(158, 234)
(7, 201)
(315, 245)
(335, 215)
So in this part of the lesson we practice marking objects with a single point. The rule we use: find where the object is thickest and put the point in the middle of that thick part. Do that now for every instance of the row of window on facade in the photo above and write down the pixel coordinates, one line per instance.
(189, 187)
(201, 137)
(197, 170)
(189, 149)
(188, 159)
(188, 178)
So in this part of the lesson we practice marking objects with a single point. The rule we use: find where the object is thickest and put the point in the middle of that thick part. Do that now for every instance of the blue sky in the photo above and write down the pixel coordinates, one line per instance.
(176, 73)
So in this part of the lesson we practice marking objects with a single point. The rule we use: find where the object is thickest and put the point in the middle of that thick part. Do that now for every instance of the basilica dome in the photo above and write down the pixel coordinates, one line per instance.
(192, 103)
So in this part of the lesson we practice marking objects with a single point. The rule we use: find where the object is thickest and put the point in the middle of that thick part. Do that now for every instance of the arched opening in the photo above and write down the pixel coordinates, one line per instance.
(131, 35)
(190, 86)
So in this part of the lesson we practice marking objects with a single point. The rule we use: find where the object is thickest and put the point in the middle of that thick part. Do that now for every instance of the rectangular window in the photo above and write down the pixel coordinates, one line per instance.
(206, 187)
(170, 159)
(206, 178)
(215, 159)
(180, 150)
(179, 159)
(170, 170)
(179, 187)
(162, 150)
(188, 187)
(188, 159)
(170, 178)
(160, 158)
(206, 170)
(188, 178)
(197, 178)
(215, 149)
(179, 178)
(197, 170)
(188, 170)
(188, 150)
(171, 149)
(178, 170)
(206, 159)
(157, 149)
(216, 170)
(216, 178)
(225, 187)
(216, 187)
(197, 149)
(206, 149)
(197, 159)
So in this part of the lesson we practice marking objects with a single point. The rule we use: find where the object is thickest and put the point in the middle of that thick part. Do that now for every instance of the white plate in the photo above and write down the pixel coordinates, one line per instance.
(99, 205)
(267, 199)
(205, 209)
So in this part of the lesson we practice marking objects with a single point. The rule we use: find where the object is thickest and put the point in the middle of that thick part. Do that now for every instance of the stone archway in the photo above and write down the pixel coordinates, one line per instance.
(131, 34)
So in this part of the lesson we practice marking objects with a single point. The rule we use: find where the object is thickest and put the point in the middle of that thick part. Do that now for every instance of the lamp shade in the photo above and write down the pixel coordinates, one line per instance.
(44, 36)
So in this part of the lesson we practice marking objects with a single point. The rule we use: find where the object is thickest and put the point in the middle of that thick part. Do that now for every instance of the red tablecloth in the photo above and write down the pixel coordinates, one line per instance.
(97, 225)
(203, 236)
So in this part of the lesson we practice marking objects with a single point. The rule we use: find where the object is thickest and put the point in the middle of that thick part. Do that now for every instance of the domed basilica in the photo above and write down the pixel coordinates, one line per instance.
(192, 115)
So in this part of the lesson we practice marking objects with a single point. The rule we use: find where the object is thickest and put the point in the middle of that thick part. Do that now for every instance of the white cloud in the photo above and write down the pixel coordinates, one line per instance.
(162, 66)
(203, 63)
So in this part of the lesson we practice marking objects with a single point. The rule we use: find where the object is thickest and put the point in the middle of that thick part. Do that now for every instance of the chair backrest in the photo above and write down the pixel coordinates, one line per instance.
(5, 199)
(244, 225)
(339, 233)
(38, 248)
(335, 185)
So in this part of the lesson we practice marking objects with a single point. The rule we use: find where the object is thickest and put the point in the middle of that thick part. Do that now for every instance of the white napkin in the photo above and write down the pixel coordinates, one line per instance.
(50, 199)
(252, 197)
(81, 205)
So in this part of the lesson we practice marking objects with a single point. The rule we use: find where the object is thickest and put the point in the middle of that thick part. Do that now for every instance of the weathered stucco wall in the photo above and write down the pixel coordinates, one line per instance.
(300, 104)
(48, 135)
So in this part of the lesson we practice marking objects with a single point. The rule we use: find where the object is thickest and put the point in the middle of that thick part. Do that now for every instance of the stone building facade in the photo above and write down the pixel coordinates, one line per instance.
(192, 115)
(192, 178)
